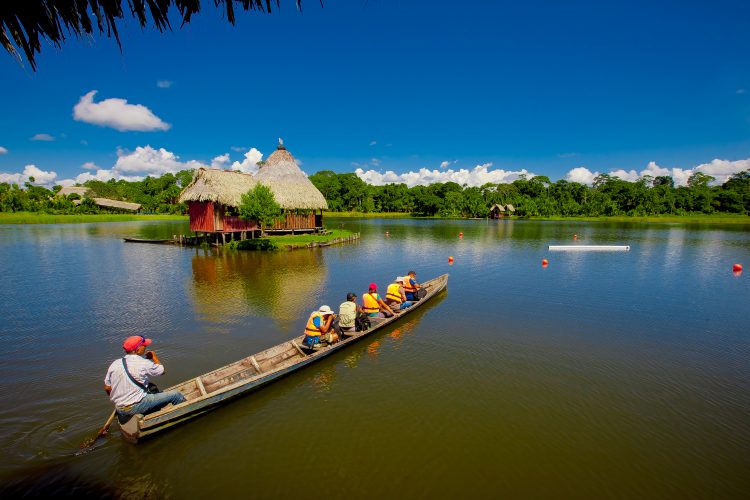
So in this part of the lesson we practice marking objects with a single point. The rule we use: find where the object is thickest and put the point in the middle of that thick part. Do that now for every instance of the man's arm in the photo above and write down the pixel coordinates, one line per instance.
(157, 368)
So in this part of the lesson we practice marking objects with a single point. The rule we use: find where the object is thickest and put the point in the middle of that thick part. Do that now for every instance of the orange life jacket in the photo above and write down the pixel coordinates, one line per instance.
(408, 287)
(311, 329)
(370, 303)
(394, 293)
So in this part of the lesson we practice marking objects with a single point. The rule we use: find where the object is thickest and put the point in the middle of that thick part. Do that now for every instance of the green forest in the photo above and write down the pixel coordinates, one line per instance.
(536, 196)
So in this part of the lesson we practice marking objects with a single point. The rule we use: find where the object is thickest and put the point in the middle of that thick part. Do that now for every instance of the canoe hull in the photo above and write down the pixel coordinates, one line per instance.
(142, 426)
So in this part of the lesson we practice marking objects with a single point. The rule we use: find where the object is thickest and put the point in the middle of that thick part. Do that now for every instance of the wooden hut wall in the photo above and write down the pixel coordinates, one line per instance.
(201, 216)
(233, 223)
(296, 221)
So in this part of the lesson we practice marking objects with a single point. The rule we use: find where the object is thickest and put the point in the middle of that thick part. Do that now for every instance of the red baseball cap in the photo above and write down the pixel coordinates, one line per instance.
(134, 342)
(373, 286)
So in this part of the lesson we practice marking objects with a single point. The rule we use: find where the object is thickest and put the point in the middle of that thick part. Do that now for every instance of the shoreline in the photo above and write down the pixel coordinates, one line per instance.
(42, 218)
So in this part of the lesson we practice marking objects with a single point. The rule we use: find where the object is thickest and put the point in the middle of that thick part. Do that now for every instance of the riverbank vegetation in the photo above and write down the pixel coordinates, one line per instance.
(348, 195)
(44, 218)
(291, 241)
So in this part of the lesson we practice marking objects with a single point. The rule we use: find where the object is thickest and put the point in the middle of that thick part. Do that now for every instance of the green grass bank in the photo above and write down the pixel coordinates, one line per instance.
(294, 241)
(41, 218)
(680, 219)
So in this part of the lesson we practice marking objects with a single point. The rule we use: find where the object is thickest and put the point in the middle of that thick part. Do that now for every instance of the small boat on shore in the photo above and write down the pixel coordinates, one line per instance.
(156, 242)
(207, 391)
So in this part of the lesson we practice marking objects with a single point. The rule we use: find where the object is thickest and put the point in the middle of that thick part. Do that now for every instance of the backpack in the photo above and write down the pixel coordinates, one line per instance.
(362, 322)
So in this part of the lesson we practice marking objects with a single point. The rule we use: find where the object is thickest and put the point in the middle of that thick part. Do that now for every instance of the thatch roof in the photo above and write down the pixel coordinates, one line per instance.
(79, 190)
(222, 186)
(122, 205)
(497, 207)
(290, 185)
(510, 208)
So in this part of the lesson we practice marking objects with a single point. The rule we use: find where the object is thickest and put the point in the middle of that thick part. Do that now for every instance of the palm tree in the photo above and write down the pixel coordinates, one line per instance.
(24, 23)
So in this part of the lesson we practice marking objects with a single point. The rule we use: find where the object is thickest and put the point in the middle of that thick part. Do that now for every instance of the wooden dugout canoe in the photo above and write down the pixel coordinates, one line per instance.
(205, 392)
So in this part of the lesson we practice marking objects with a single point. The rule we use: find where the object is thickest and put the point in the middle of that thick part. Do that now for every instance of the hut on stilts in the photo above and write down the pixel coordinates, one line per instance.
(213, 198)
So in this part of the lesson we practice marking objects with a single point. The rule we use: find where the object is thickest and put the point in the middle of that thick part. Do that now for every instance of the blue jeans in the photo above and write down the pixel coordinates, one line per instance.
(409, 296)
(153, 402)
(311, 340)
(404, 305)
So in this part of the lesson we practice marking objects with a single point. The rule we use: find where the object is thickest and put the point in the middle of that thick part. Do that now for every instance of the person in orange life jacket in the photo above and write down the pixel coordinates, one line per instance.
(395, 297)
(319, 324)
(411, 286)
(127, 381)
(373, 305)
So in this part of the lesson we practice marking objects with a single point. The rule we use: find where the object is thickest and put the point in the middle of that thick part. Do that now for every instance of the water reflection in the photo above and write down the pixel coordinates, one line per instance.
(280, 285)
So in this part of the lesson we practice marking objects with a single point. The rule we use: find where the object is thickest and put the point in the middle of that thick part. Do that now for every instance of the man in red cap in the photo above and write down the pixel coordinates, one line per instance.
(127, 382)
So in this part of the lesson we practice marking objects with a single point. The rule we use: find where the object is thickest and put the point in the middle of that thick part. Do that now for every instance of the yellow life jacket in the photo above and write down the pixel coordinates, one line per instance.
(370, 303)
(408, 288)
(311, 329)
(394, 293)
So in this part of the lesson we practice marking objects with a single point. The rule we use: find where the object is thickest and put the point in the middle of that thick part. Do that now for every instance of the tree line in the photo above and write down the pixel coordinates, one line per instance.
(539, 196)
(536, 196)
(154, 194)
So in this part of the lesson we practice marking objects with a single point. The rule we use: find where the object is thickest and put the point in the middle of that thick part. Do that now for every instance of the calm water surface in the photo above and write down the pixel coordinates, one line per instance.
(605, 374)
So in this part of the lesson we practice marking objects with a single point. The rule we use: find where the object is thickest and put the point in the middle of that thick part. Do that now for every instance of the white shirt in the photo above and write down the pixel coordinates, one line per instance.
(124, 391)
(347, 314)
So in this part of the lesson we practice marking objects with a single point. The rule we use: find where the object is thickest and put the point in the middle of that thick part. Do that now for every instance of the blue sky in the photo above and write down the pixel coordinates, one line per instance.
(424, 90)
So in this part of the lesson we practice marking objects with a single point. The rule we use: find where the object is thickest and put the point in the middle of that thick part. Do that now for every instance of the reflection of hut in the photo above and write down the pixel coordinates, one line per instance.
(241, 284)
(214, 195)
(498, 211)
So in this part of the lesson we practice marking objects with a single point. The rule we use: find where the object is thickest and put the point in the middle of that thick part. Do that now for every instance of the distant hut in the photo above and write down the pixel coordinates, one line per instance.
(117, 205)
(213, 197)
(497, 211)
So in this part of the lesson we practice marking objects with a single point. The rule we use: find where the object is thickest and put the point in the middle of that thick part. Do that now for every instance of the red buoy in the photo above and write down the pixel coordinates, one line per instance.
(450, 259)
(737, 268)
(461, 235)
(575, 236)
(545, 262)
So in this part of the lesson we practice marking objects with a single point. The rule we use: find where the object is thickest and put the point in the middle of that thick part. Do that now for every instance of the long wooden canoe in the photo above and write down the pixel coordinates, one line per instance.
(207, 391)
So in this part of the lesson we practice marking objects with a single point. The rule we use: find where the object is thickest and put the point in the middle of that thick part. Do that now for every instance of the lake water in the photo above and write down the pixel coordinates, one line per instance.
(604, 374)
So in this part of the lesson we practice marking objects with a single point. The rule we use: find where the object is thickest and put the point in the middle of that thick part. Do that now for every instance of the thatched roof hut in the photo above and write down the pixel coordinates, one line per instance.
(510, 208)
(79, 190)
(214, 195)
(119, 205)
(220, 186)
(290, 185)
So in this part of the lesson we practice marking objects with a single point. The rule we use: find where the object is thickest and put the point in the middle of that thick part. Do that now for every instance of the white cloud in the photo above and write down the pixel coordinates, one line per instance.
(250, 164)
(41, 177)
(375, 162)
(372, 143)
(90, 165)
(163, 84)
(481, 174)
(447, 163)
(43, 137)
(3, 151)
(221, 161)
(721, 170)
(581, 175)
(239, 149)
(118, 114)
(149, 161)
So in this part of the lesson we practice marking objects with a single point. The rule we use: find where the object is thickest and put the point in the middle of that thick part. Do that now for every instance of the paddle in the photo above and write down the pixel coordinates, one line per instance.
(90, 442)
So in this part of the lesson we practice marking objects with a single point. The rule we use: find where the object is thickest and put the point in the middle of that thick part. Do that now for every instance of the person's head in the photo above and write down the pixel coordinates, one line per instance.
(351, 296)
(399, 279)
(373, 287)
(136, 344)
(325, 311)
(412, 274)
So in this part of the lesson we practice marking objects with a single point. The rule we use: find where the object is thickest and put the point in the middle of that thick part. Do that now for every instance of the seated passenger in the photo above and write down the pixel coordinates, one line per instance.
(319, 325)
(373, 305)
(411, 286)
(348, 314)
(395, 297)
